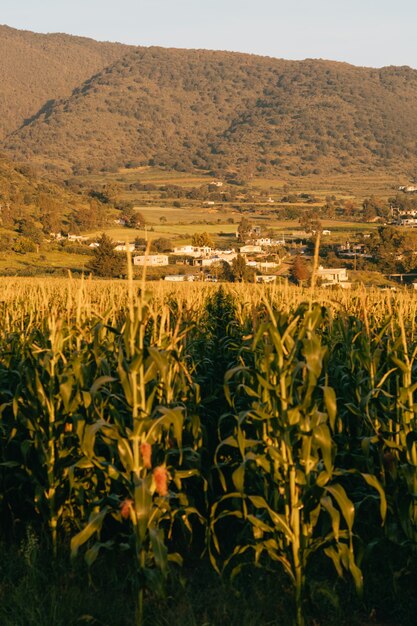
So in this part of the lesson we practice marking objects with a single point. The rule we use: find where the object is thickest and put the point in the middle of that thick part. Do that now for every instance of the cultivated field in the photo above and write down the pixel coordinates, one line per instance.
(165, 434)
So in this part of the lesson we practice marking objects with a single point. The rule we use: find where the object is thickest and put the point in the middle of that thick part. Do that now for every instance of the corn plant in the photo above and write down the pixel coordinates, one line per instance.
(373, 368)
(285, 486)
(39, 440)
(144, 441)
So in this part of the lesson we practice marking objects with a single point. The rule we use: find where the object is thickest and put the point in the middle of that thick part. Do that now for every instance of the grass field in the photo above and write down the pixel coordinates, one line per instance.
(46, 260)
(220, 220)
(344, 186)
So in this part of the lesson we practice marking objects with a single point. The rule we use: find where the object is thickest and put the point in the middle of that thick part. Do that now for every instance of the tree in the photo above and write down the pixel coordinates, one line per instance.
(51, 222)
(28, 229)
(161, 245)
(140, 242)
(106, 262)
(240, 271)
(394, 249)
(6, 242)
(136, 220)
(202, 239)
(222, 270)
(88, 218)
(244, 230)
(300, 271)
(133, 219)
(23, 245)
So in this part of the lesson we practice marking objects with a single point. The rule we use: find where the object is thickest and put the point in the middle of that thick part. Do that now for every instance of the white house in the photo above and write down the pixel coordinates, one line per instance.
(263, 241)
(228, 258)
(193, 250)
(266, 265)
(333, 276)
(266, 278)
(407, 221)
(408, 212)
(250, 248)
(77, 238)
(125, 247)
(175, 278)
(151, 260)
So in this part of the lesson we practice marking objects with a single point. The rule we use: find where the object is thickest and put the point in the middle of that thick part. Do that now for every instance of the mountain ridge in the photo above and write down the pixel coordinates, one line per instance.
(226, 111)
(36, 68)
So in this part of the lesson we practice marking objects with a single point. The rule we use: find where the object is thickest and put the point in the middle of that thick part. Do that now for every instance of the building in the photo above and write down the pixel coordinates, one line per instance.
(175, 278)
(78, 238)
(151, 260)
(206, 262)
(407, 188)
(265, 265)
(250, 249)
(254, 231)
(333, 276)
(266, 278)
(125, 247)
(181, 278)
(195, 251)
(407, 221)
(404, 212)
(352, 251)
(263, 241)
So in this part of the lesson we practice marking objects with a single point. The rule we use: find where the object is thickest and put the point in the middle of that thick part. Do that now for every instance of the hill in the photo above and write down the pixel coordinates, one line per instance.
(27, 194)
(36, 69)
(221, 111)
(21, 185)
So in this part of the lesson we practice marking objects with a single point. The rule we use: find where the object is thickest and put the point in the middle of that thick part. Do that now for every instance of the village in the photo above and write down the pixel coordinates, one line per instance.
(257, 254)
(266, 258)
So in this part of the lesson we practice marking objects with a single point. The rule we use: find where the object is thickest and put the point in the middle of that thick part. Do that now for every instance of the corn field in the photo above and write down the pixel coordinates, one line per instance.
(254, 426)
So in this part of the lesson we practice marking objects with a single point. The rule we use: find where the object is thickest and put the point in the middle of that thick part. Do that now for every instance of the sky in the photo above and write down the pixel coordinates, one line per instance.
(363, 32)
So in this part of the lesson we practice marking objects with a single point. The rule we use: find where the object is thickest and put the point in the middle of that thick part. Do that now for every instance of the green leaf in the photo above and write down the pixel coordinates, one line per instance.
(238, 478)
(159, 549)
(94, 525)
(100, 382)
(331, 404)
(93, 552)
(125, 453)
(278, 520)
(345, 505)
(323, 439)
(374, 482)
(327, 504)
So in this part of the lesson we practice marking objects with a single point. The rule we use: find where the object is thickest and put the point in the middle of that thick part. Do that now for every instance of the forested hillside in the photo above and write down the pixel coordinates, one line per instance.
(36, 69)
(27, 195)
(218, 111)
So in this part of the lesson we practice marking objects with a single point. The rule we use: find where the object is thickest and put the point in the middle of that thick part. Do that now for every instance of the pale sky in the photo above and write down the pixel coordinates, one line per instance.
(363, 32)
